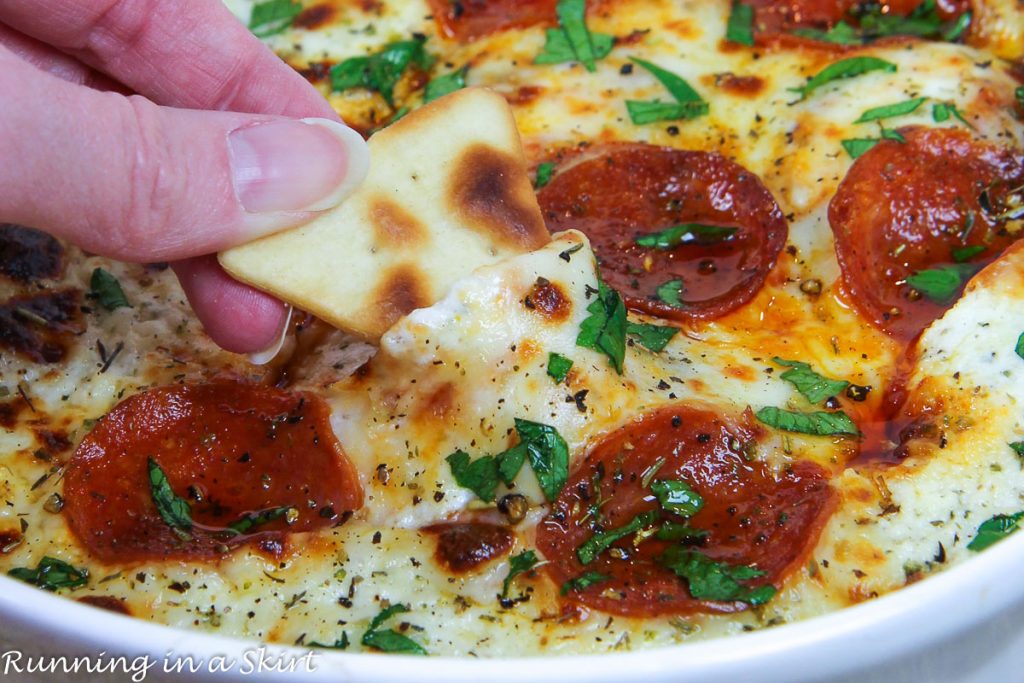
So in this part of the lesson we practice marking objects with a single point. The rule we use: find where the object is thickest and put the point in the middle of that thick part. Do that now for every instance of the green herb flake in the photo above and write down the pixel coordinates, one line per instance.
(1018, 94)
(965, 254)
(688, 105)
(273, 16)
(52, 574)
(339, 644)
(890, 134)
(381, 71)
(858, 146)
(740, 28)
(390, 640)
(843, 69)
(255, 519)
(677, 497)
(604, 329)
(711, 580)
(1018, 448)
(558, 367)
(1019, 348)
(941, 111)
(510, 462)
(479, 476)
(445, 85)
(573, 41)
(840, 34)
(943, 283)
(671, 531)
(105, 288)
(600, 542)
(518, 564)
(891, 110)
(549, 455)
(545, 172)
(583, 582)
(173, 509)
(653, 337)
(817, 423)
(686, 233)
(812, 386)
(668, 292)
(995, 529)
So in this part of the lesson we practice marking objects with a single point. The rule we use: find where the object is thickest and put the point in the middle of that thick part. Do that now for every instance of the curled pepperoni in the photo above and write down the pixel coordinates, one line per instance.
(750, 517)
(230, 450)
(940, 202)
(467, 20)
(619, 193)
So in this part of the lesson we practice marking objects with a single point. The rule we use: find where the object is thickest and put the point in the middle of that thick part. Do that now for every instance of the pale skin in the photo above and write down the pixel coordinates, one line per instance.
(162, 130)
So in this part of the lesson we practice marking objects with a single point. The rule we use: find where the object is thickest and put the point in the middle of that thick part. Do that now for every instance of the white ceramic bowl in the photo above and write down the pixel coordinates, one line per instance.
(964, 625)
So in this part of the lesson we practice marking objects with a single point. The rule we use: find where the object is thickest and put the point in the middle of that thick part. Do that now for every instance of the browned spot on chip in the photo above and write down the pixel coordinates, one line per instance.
(403, 289)
(393, 226)
(107, 602)
(547, 298)
(489, 190)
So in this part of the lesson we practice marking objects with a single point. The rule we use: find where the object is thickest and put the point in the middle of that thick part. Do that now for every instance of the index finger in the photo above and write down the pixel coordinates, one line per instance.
(183, 53)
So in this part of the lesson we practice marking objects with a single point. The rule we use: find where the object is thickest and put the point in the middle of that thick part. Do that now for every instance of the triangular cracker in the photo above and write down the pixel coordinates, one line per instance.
(447, 192)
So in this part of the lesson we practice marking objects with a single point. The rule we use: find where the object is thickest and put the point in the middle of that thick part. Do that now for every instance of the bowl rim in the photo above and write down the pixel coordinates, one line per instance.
(974, 590)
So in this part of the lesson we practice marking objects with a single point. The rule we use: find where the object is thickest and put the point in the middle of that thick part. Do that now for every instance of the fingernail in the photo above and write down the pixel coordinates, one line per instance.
(268, 354)
(287, 165)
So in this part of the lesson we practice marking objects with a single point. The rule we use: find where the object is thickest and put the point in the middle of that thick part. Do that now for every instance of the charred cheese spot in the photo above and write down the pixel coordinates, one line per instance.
(745, 86)
(393, 226)
(41, 328)
(27, 255)
(548, 300)
(483, 193)
(462, 547)
(314, 17)
(403, 289)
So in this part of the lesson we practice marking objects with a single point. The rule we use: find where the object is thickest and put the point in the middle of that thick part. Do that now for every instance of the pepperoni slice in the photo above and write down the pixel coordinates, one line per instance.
(466, 20)
(940, 198)
(618, 193)
(230, 450)
(749, 518)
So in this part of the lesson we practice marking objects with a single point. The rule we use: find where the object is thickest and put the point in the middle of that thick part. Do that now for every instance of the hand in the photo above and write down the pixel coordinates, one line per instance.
(122, 176)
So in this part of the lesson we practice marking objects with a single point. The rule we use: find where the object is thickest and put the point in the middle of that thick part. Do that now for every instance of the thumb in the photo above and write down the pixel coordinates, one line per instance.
(125, 178)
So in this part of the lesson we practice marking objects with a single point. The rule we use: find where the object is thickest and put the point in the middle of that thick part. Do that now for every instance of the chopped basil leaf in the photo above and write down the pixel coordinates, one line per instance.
(518, 564)
(941, 284)
(740, 28)
(840, 34)
(687, 233)
(1018, 93)
(1019, 349)
(604, 329)
(964, 254)
(544, 173)
(254, 519)
(549, 455)
(479, 476)
(390, 641)
(677, 496)
(653, 337)
(381, 71)
(510, 462)
(600, 542)
(688, 105)
(814, 387)
(641, 112)
(891, 110)
(710, 580)
(582, 582)
(857, 146)
(52, 574)
(889, 134)
(670, 531)
(273, 16)
(107, 290)
(1018, 448)
(818, 423)
(444, 85)
(669, 293)
(558, 367)
(340, 644)
(844, 68)
(941, 112)
(173, 509)
(995, 529)
(573, 41)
